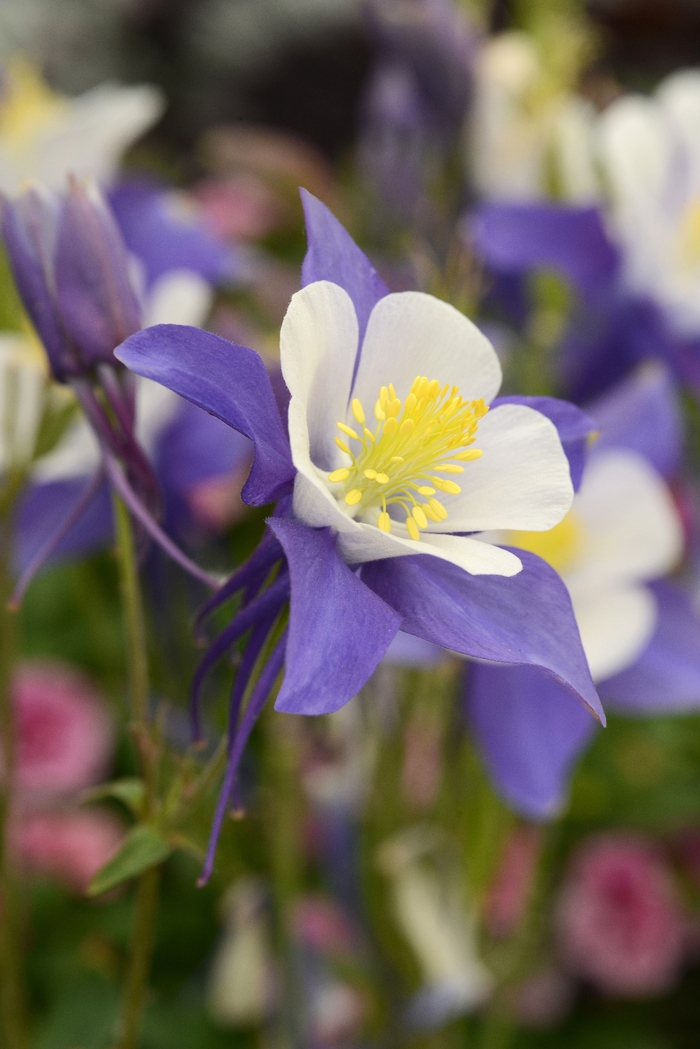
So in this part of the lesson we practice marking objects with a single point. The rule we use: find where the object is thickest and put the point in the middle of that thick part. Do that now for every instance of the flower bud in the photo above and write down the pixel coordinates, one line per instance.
(71, 270)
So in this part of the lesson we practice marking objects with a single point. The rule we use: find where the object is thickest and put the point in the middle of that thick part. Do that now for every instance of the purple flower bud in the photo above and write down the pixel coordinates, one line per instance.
(71, 269)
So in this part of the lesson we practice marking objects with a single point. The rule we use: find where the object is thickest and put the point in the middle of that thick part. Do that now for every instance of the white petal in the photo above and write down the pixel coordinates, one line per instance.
(411, 334)
(97, 128)
(521, 481)
(156, 406)
(631, 527)
(178, 297)
(615, 625)
(359, 542)
(318, 346)
(635, 147)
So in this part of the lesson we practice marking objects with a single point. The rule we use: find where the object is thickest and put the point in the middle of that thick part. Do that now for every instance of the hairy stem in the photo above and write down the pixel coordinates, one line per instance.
(12, 993)
(144, 926)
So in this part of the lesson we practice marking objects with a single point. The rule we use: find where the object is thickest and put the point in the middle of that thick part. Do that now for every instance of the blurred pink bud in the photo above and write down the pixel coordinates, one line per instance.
(422, 763)
(618, 919)
(322, 925)
(216, 503)
(72, 846)
(64, 735)
(241, 207)
(508, 896)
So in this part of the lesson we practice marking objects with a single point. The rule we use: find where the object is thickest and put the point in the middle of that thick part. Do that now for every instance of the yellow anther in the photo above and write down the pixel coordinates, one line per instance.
(449, 468)
(368, 435)
(394, 407)
(397, 459)
(339, 475)
(407, 427)
(392, 392)
(384, 397)
(343, 446)
(438, 509)
(446, 486)
(426, 490)
(379, 413)
(419, 517)
(358, 411)
(353, 497)
(433, 389)
(348, 430)
(390, 427)
(430, 513)
(384, 521)
(411, 402)
(382, 478)
(412, 529)
(370, 474)
(470, 454)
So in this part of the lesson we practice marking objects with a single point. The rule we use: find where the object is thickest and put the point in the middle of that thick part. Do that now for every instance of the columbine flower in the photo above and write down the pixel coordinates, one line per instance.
(650, 160)
(641, 634)
(366, 543)
(45, 136)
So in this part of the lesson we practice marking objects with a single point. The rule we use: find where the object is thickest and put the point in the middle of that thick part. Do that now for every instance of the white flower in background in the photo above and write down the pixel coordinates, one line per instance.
(649, 148)
(44, 136)
(379, 453)
(178, 297)
(431, 912)
(622, 531)
(241, 984)
(528, 135)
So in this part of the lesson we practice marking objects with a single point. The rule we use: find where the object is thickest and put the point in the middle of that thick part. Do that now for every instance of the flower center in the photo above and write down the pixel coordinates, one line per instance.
(559, 547)
(413, 444)
(27, 106)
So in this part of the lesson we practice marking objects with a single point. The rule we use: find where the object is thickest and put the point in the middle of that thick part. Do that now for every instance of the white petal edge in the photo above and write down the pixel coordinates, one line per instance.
(632, 530)
(522, 480)
(359, 542)
(318, 346)
(410, 334)
(615, 626)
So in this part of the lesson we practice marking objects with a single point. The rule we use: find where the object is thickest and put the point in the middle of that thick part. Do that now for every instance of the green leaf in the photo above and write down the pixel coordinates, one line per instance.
(143, 848)
(130, 791)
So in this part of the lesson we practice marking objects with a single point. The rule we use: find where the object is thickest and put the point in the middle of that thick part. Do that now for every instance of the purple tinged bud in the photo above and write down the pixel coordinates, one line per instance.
(30, 232)
(72, 272)
(96, 298)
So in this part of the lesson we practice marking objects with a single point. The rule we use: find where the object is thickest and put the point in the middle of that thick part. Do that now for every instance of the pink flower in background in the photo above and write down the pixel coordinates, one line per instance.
(508, 895)
(64, 735)
(216, 502)
(321, 924)
(240, 207)
(70, 846)
(618, 919)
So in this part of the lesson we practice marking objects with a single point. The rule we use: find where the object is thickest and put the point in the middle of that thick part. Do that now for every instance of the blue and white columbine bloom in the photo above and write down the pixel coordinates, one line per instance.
(375, 477)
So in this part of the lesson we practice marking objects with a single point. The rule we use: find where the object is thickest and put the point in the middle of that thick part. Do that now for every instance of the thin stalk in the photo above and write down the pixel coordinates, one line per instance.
(143, 935)
(12, 996)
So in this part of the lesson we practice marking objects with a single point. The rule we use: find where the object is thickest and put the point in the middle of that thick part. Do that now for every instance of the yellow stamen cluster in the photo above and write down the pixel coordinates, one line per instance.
(429, 434)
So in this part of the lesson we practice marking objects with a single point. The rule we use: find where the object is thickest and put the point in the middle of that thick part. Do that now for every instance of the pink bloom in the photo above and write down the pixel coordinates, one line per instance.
(508, 896)
(64, 735)
(216, 502)
(618, 919)
(70, 846)
(322, 925)
(241, 207)
(422, 763)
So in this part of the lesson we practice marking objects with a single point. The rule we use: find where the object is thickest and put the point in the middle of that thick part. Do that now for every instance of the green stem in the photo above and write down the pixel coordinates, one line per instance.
(12, 996)
(145, 912)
